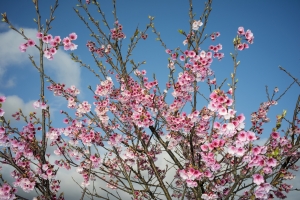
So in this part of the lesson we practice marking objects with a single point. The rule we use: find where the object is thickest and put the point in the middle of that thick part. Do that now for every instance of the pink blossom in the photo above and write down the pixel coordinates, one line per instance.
(256, 150)
(23, 47)
(271, 162)
(1, 112)
(45, 167)
(262, 191)
(189, 174)
(2, 130)
(240, 47)
(258, 179)
(57, 39)
(192, 54)
(251, 136)
(209, 196)
(217, 125)
(275, 135)
(73, 36)
(241, 117)
(240, 151)
(242, 136)
(204, 147)
(36, 104)
(30, 42)
(241, 31)
(215, 167)
(208, 174)
(196, 25)
(39, 35)
(182, 57)
(249, 36)
(2, 99)
(73, 46)
(168, 51)
(52, 50)
(57, 152)
(115, 139)
(230, 127)
(66, 41)
(267, 170)
(48, 55)
(174, 56)
(43, 106)
(231, 150)
(191, 183)
(47, 38)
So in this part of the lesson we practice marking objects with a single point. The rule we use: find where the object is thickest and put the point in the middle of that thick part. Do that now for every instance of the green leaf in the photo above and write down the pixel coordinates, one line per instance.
(283, 113)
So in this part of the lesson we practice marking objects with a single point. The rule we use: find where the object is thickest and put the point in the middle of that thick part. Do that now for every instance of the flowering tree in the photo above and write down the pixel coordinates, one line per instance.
(118, 137)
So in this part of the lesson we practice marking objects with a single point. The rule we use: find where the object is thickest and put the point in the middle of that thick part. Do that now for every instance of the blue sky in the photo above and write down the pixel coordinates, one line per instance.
(275, 25)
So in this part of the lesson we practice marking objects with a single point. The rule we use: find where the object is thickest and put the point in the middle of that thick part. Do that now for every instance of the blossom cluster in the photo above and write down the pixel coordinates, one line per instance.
(27, 184)
(7, 192)
(117, 33)
(248, 36)
(39, 104)
(190, 174)
(211, 140)
(100, 51)
(197, 25)
(52, 44)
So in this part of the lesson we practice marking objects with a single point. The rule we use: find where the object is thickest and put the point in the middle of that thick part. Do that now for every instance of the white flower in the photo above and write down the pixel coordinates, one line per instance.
(196, 25)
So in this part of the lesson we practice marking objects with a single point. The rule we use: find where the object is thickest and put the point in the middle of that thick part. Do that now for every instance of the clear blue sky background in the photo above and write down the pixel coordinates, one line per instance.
(275, 25)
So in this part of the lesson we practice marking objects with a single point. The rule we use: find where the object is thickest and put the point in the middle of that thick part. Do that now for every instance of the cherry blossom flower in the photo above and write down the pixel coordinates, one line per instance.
(115, 139)
(196, 25)
(189, 174)
(1, 112)
(38, 104)
(30, 42)
(72, 36)
(39, 35)
(144, 36)
(23, 47)
(2, 99)
(275, 135)
(271, 162)
(191, 183)
(7, 192)
(241, 31)
(249, 36)
(209, 196)
(258, 179)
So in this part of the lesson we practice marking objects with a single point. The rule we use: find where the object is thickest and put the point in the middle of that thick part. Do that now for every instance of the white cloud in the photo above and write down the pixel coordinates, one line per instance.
(62, 67)
(14, 103)
(11, 82)
(3, 26)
